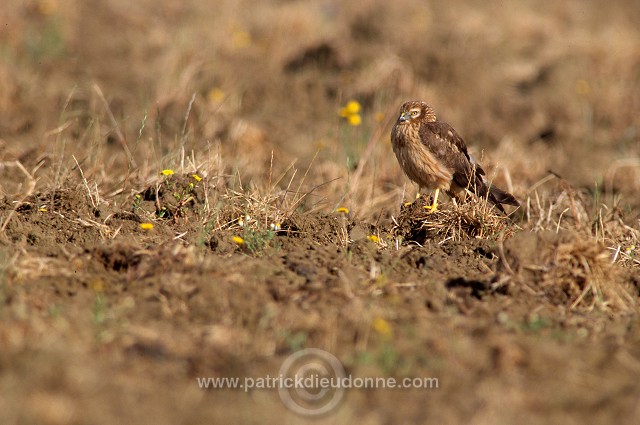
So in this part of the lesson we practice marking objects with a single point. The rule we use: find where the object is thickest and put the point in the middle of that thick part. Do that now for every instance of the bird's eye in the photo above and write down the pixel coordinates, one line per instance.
(415, 113)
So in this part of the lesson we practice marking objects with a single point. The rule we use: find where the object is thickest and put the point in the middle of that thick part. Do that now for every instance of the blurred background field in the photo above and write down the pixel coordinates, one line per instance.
(531, 86)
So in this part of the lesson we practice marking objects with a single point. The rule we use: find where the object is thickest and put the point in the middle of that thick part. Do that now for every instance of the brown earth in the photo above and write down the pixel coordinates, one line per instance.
(276, 226)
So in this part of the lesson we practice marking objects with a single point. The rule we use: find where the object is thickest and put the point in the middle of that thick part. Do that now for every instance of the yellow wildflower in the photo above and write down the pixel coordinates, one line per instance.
(146, 226)
(166, 172)
(354, 119)
(351, 108)
(215, 95)
(240, 39)
(342, 210)
(237, 240)
(374, 238)
(97, 285)
(196, 177)
(351, 111)
(381, 326)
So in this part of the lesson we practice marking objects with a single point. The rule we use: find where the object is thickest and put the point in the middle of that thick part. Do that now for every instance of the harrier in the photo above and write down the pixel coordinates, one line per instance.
(434, 156)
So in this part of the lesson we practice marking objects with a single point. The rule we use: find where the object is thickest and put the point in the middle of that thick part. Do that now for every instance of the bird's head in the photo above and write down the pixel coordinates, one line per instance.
(415, 111)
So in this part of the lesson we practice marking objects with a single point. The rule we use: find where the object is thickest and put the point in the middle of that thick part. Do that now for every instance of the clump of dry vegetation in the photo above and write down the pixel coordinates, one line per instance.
(570, 269)
(454, 221)
(574, 251)
(585, 273)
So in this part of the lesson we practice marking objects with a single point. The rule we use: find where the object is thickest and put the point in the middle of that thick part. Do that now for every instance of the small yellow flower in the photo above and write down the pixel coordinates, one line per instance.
(237, 240)
(354, 120)
(166, 172)
(97, 285)
(146, 226)
(351, 108)
(381, 326)
(374, 238)
(276, 226)
(42, 209)
(196, 177)
(240, 39)
(215, 95)
(342, 210)
(351, 111)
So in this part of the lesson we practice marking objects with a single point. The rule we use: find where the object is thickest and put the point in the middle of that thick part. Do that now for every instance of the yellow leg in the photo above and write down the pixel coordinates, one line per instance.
(406, 204)
(434, 207)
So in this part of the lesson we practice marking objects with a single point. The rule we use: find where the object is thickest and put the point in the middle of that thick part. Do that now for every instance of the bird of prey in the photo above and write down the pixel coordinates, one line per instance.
(433, 155)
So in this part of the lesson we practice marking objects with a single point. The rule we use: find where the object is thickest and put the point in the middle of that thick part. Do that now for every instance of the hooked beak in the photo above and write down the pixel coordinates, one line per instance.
(404, 117)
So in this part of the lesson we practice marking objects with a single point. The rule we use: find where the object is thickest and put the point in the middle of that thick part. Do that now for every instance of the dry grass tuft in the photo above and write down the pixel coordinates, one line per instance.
(570, 269)
(453, 221)
(584, 271)
(249, 216)
(563, 207)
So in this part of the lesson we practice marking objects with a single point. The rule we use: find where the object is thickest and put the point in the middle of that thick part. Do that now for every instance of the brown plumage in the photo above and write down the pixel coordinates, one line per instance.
(434, 156)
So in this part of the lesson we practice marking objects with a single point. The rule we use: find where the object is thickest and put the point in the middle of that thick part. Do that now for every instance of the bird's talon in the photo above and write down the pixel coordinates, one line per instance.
(431, 208)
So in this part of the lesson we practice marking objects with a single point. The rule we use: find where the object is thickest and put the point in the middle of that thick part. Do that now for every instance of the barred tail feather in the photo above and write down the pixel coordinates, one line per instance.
(498, 197)
(483, 189)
